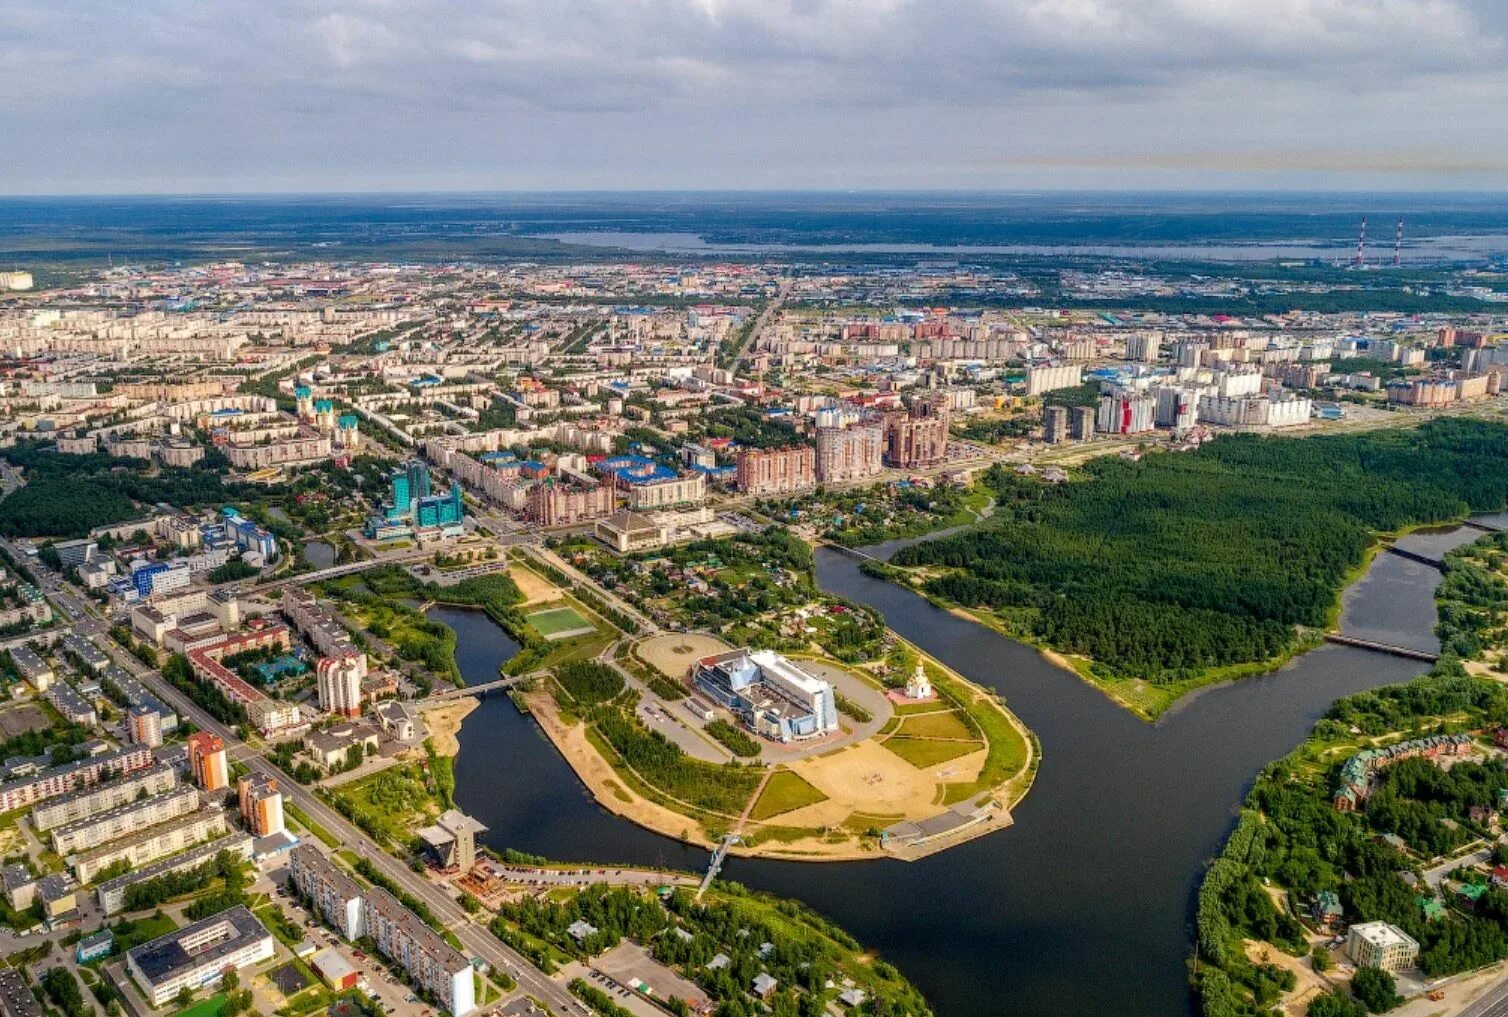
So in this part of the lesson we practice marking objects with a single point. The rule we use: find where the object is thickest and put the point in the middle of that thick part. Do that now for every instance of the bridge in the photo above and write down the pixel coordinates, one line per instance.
(1434, 563)
(853, 552)
(480, 689)
(336, 571)
(1473, 524)
(1380, 647)
(716, 866)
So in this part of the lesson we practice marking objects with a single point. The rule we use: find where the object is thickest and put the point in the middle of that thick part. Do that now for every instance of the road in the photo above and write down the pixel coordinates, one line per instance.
(1492, 1003)
(774, 305)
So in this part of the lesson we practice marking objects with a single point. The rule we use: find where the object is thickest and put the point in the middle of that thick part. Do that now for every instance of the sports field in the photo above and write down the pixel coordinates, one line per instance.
(559, 623)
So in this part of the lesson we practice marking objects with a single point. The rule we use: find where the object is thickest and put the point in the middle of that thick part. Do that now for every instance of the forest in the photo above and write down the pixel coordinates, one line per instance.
(1164, 568)
(67, 496)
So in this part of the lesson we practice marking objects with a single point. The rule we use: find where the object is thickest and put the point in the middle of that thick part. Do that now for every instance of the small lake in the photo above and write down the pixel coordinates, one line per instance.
(319, 553)
(1085, 905)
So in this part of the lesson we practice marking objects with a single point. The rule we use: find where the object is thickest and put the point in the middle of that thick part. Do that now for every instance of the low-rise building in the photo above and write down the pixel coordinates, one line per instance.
(1380, 945)
(199, 955)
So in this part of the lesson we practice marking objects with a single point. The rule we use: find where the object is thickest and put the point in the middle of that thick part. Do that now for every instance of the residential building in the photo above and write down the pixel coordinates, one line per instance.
(337, 897)
(16, 998)
(1046, 378)
(338, 682)
(199, 954)
(1126, 413)
(144, 724)
(207, 761)
(113, 824)
(151, 844)
(400, 936)
(150, 780)
(61, 780)
(112, 892)
(850, 453)
(261, 804)
(553, 503)
(918, 437)
(771, 471)
(1081, 422)
(1055, 424)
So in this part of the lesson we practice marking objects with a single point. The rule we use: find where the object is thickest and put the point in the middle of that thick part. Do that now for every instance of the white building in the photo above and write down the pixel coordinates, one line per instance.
(1043, 378)
(198, 955)
(1380, 945)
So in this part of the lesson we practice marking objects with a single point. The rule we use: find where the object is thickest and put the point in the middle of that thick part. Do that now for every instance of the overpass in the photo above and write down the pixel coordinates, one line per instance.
(1408, 652)
(336, 571)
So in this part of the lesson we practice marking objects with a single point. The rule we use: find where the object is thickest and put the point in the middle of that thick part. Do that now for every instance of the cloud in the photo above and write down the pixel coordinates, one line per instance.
(451, 89)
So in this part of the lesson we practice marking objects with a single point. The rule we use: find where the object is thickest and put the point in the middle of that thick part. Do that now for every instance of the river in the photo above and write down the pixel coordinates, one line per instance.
(1084, 906)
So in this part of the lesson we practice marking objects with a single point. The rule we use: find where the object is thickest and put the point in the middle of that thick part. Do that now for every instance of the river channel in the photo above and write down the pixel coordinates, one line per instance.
(1084, 906)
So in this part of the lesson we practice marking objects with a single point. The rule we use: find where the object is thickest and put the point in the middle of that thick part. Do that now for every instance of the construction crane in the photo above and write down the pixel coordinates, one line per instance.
(1361, 244)
(1398, 244)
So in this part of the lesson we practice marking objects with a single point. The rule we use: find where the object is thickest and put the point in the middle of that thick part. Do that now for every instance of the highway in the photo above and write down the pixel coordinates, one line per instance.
(1492, 1003)
(477, 941)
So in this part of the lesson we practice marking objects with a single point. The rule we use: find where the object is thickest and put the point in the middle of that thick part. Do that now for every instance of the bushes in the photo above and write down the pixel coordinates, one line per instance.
(737, 742)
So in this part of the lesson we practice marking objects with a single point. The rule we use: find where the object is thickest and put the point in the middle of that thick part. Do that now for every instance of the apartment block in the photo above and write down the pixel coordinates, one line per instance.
(113, 824)
(70, 808)
(151, 844)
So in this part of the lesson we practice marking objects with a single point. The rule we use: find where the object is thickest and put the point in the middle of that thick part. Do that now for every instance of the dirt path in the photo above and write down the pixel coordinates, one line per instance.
(444, 723)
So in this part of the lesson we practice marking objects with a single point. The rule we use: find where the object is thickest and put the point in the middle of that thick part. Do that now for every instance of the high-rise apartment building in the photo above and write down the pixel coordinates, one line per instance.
(1055, 424)
(207, 761)
(917, 437)
(261, 804)
(338, 682)
(767, 471)
(850, 453)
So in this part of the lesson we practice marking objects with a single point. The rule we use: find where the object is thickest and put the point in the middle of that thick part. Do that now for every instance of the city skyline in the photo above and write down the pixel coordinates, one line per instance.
(728, 94)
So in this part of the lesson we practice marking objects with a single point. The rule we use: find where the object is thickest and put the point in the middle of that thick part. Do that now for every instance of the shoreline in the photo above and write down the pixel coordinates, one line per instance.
(608, 790)
(442, 724)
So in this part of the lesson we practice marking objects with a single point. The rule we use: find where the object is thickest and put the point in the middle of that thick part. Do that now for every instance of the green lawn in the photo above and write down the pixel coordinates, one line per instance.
(300, 817)
(205, 1007)
(557, 622)
(937, 725)
(785, 791)
(142, 930)
(922, 753)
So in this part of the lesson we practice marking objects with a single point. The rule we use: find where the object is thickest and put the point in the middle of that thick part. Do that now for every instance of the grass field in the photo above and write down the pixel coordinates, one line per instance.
(205, 1007)
(937, 725)
(559, 623)
(785, 791)
(922, 752)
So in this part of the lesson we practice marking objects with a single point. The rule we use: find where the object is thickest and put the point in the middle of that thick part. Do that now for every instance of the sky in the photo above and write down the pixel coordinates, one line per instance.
(187, 96)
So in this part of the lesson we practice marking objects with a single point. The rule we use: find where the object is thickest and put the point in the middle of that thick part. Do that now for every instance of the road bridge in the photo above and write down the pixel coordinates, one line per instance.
(1380, 647)
(1434, 563)
(854, 553)
(479, 689)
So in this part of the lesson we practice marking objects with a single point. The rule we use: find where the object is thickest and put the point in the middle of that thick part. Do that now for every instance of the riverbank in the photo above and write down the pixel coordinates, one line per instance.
(444, 724)
(1150, 700)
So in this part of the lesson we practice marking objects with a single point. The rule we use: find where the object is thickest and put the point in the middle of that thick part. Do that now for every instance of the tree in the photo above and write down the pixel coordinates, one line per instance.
(1335, 1004)
(1321, 958)
(1376, 989)
(185, 997)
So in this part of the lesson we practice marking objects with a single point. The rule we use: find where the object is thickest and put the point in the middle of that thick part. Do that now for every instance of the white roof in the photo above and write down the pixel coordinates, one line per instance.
(1382, 934)
(792, 673)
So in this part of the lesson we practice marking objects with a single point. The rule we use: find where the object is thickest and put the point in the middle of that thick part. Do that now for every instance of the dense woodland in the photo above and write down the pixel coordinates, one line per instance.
(67, 496)
(1162, 568)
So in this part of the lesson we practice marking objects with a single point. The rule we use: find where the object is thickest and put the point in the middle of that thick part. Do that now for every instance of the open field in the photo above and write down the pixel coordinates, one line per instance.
(673, 654)
(925, 752)
(784, 792)
(943, 724)
(535, 588)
